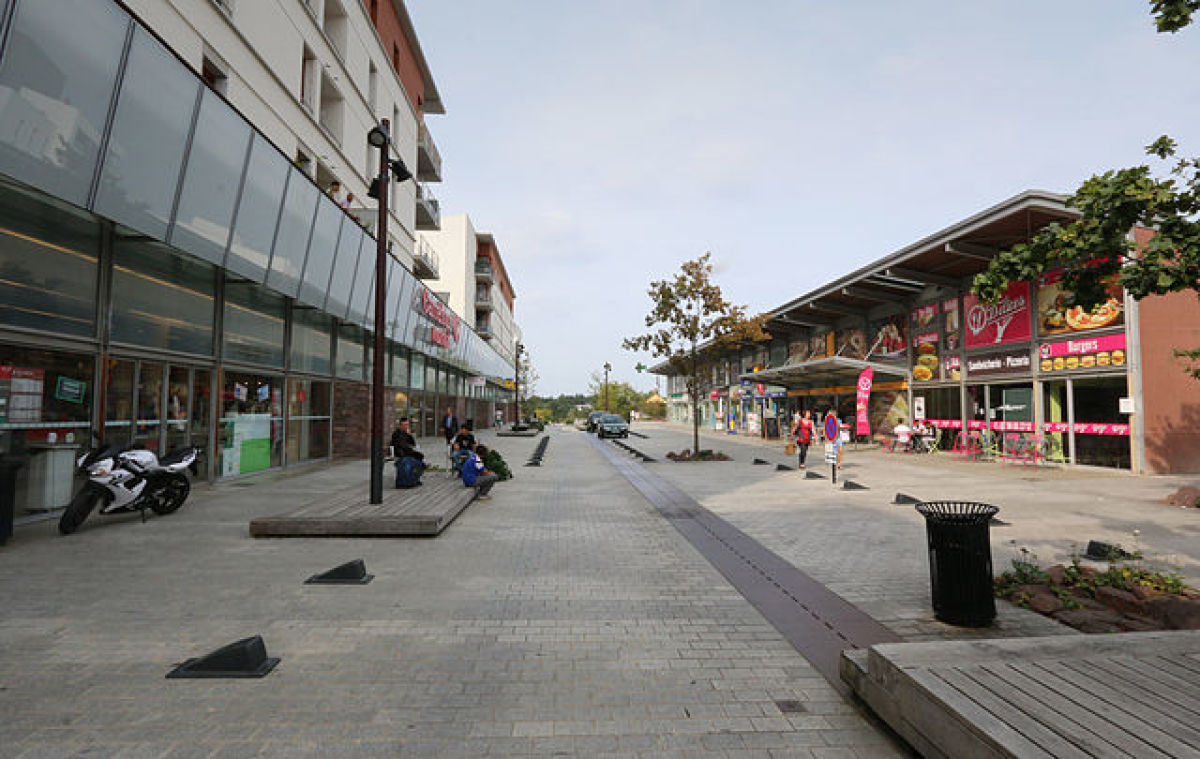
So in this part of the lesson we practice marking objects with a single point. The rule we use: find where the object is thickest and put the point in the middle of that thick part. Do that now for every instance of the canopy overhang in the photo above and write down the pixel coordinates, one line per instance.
(836, 371)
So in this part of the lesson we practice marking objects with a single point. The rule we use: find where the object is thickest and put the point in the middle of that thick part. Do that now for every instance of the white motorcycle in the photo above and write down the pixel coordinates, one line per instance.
(129, 480)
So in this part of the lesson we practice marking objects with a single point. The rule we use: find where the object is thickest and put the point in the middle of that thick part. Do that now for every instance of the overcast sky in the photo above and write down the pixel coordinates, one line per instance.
(604, 143)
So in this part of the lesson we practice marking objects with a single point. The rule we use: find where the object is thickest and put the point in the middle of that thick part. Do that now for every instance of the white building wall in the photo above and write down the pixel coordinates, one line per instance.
(455, 246)
(260, 47)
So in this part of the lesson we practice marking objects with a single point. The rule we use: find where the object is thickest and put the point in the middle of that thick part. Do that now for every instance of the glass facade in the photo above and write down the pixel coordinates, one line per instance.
(151, 293)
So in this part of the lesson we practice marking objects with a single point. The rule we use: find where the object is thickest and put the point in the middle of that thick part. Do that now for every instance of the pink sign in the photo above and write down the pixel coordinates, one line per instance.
(862, 423)
(1005, 321)
(1089, 428)
(1013, 426)
(1084, 346)
(945, 424)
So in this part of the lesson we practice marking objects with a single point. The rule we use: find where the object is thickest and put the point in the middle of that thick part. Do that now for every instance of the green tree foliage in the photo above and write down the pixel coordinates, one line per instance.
(689, 312)
(564, 408)
(622, 397)
(1097, 249)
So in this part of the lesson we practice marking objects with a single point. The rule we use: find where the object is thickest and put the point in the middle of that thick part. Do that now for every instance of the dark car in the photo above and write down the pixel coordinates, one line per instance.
(593, 419)
(611, 425)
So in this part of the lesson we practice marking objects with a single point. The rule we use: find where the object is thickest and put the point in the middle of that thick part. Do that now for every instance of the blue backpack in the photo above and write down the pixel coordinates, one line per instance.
(408, 472)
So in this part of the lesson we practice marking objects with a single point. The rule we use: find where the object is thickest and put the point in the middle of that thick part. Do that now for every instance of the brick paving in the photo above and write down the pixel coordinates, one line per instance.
(563, 617)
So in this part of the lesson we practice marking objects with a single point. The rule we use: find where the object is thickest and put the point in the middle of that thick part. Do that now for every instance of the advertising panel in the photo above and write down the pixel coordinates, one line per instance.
(951, 326)
(1087, 353)
(888, 339)
(862, 424)
(925, 358)
(1056, 317)
(1006, 321)
(852, 343)
(999, 362)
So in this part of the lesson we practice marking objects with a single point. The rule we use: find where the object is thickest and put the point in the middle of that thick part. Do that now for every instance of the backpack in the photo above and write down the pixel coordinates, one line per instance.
(408, 473)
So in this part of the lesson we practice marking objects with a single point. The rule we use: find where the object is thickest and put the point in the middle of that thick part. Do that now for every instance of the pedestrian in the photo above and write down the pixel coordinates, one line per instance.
(335, 192)
(804, 430)
(461, 447)
(410, 462)
(476, 475)
(449, 425)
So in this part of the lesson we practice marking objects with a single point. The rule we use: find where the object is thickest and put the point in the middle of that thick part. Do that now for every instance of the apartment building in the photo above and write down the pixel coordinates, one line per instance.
(177, 269)
(473, 280)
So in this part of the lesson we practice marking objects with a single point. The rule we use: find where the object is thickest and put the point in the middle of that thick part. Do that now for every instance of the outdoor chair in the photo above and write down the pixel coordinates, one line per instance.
(989, 448)
(962, 445)
(1031, 452)
(1013, 450)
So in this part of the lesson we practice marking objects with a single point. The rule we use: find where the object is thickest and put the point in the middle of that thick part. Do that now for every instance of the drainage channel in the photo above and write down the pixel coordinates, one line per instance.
(817, 622)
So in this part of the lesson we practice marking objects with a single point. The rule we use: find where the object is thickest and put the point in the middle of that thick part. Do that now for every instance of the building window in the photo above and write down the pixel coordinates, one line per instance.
(312, 341)
(332, 109)
(309, 420)
(375, 11)
(336, 26)
(251, 432)
(309, 73)
(214, 75)
(396, 57)
(351, 354)
(372, 89)
(161, 298)
(253, 324)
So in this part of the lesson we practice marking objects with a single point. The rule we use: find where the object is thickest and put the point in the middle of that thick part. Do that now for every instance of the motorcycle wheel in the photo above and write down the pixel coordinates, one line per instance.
(77, 510)
(174, 492)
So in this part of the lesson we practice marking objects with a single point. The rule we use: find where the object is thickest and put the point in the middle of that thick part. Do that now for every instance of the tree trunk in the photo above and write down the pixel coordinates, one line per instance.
(695, 404)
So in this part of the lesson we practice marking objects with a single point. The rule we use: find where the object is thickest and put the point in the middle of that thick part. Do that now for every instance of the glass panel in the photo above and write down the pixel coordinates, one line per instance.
(47, 264)
(56, 83)
(344, 268)
(320, 253)
(118, 403)
(201, 414)
(251, 423)
(309, 419)
(312, 340)
(362, 304)
(179, 398)
(394, 284)
(160, 298)
(416, 378)
(253, 324)
(291, 242)
(45, 412)
(351, 357)
(398, 376)
(210, 182)
(149, 406)
(1097, 405)
(149, 132)
(1054, 417)
(254, 230)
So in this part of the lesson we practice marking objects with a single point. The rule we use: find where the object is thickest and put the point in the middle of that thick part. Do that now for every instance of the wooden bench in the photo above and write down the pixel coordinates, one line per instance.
(424, 510)
(1127, 694)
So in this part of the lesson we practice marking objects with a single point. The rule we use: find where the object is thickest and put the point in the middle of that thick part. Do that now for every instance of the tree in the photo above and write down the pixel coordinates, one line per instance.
(622, 397)
(691, 319)
(1096, 250)
(527, 376)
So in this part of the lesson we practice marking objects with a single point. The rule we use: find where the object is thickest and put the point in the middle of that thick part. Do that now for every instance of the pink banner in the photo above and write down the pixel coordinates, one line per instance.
(979, 424)
(945, 424)
(862, 424)
(1005, 321)
(1084, 346)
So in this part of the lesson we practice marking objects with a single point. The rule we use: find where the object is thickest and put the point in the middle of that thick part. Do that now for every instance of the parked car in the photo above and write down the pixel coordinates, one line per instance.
(611, 425)
(593, 419)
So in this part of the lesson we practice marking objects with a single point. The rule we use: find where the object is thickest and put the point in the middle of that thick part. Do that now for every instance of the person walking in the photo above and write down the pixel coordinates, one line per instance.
(449, 425)
(804, 431)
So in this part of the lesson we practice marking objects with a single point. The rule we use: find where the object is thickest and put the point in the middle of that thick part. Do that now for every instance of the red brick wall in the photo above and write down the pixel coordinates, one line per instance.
(391, 32)
(1170, 398)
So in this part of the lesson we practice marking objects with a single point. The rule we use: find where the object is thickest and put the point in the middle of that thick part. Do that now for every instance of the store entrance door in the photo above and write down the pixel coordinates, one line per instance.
(158, 406)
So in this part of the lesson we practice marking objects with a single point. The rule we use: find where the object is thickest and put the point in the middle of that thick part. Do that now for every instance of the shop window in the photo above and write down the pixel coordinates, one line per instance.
(201, 420)
(309, 420)
(1101, 432)
(258, 212)
(253, 324)
(416, 375)
(58, 78)
(312, 341)
(351, 355)
(251, 423)
(148, 421)
(118, 404)
(149, 133)
(48, 264)
(295, 227)
(45, 412)
(398, 372)
(362, 303)
(161, 298)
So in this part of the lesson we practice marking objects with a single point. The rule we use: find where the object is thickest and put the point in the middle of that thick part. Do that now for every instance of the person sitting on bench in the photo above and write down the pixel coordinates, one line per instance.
(461, 446)
(476, 475)
(410, 462)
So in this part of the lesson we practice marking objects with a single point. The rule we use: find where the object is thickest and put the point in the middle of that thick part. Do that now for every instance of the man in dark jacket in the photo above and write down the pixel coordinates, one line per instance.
(410, 462)
(449, 425)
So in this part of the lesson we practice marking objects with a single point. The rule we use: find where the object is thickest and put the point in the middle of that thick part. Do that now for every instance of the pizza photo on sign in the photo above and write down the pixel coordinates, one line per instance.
(1103, 315)
(1056, 316)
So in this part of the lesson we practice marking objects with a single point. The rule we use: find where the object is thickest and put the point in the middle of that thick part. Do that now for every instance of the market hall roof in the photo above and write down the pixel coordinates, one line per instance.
(823, 372)
(949, 257)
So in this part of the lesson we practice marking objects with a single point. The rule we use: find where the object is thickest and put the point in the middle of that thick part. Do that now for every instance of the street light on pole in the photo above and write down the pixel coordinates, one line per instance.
(380, 137)
(607, 369)
(517, 387)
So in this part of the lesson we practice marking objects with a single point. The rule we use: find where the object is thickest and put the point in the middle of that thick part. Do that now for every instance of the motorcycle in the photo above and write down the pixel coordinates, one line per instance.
(129, 479)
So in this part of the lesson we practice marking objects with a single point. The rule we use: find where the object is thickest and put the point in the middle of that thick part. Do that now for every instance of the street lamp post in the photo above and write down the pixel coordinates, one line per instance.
(607, 369)
(517, 388)
(380, 137)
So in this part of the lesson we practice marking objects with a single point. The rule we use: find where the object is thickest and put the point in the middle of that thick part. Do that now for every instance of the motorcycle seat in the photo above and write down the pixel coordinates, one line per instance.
(175, 456)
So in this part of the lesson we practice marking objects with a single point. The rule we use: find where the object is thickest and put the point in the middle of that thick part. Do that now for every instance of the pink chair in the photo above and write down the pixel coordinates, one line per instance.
(962, 446)
(1032, 451)
(1011, 451)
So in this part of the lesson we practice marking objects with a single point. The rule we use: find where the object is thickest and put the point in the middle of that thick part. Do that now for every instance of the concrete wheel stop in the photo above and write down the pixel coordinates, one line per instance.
(350, 573)
(243, 658)
(813, 476)
(782, 468)
(904, 499)
(761, 461)
(852, 485)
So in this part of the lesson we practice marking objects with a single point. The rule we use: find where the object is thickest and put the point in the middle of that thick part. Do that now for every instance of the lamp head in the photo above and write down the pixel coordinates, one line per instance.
(378, 137)
(399, 170)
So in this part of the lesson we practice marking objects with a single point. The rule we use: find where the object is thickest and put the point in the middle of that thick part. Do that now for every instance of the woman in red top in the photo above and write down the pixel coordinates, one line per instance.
(804, 432)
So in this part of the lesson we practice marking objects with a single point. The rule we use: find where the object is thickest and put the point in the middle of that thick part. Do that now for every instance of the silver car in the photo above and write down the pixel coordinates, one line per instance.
(611, 425)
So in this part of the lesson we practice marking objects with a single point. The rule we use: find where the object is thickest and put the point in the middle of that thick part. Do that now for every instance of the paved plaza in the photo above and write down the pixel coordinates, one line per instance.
(565, 616)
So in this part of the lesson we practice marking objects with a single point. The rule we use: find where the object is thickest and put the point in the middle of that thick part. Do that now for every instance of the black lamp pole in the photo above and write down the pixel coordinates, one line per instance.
(379, 137)
(607, 369)
(517, 383)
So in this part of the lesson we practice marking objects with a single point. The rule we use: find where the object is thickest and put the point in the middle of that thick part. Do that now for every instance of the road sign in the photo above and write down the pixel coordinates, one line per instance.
(830, 453)
(831, 427)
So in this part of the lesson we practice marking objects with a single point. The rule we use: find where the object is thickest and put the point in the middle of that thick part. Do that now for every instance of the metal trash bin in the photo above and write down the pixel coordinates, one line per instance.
(8, 494)
(960, 561)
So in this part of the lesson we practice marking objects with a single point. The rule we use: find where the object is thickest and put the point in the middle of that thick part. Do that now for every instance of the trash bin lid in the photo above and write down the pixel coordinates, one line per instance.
(956, 512)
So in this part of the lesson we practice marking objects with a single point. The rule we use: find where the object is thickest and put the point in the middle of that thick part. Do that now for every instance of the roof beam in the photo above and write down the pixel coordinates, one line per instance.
(833, 308)
(971, 250)
(858, 292)
(920, 276)
(906, 288)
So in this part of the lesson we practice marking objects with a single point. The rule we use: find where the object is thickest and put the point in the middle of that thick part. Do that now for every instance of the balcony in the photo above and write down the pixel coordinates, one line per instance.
(429, 161)
(425, 260)
(429, 215)
(483, 300)
(483, 271)
(484, 330)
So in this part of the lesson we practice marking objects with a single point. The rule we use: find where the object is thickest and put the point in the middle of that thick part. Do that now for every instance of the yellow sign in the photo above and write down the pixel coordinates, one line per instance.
(846, 389)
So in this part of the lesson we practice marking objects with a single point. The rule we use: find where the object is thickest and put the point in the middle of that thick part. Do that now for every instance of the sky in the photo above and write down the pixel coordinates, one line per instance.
(605, 143)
